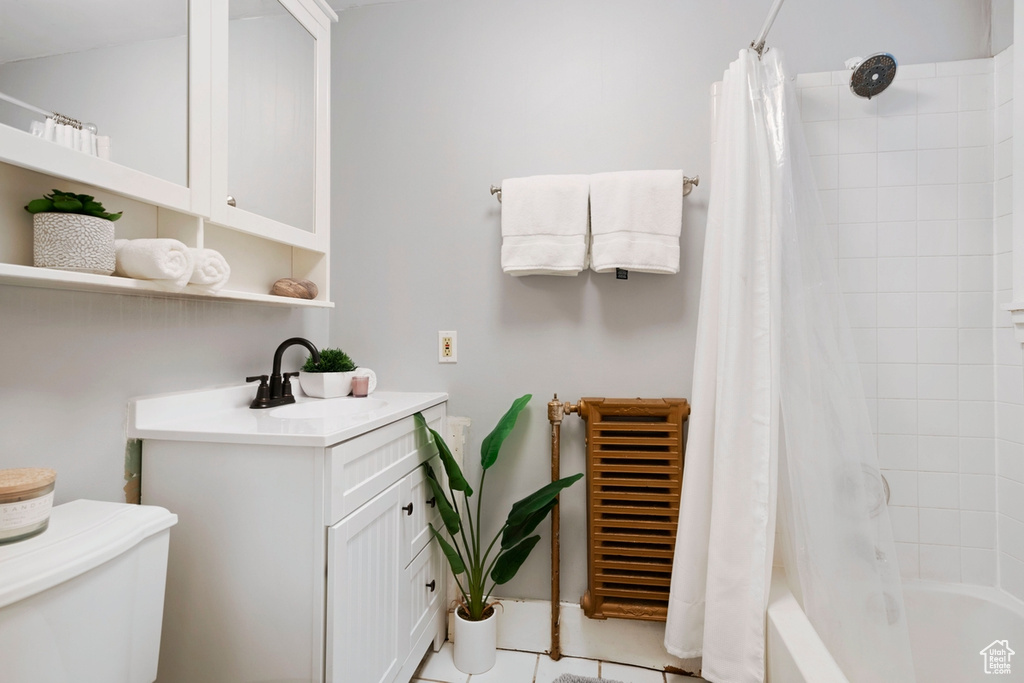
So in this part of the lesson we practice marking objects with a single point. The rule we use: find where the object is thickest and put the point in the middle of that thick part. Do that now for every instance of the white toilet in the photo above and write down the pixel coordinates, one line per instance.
(83, 601)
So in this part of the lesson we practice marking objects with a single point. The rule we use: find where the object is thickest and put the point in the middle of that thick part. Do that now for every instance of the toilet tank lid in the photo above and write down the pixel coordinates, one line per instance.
(82, 534)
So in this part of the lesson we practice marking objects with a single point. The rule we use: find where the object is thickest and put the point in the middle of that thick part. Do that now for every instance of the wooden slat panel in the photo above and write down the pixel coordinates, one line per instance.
(620, 566)
(635, 456)
(615, 591)
(602, 549)
(636, 579)
(634, 495)
(661, 524)
(670, 470)
(632, 440)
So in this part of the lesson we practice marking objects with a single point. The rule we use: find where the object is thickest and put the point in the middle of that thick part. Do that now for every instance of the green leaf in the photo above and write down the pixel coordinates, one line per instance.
(525, 508)
(492, 443)
(448, 514)
(67, 204)
(113, 216)
(449, 552)
(39, 206)
(514, 534)
(511, 560)
(423, 432)
(456, 480)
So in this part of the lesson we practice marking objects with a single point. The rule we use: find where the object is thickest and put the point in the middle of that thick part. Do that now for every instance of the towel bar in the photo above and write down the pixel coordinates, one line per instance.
(688, 185)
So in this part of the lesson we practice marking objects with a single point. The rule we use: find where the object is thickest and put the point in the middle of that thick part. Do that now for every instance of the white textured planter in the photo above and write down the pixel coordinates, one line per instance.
(327, 384)
(476, 643)
(71, 241)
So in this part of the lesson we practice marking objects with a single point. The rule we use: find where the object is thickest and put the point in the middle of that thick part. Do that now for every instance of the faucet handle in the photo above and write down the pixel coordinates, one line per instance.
(262, 393)
(286, 387)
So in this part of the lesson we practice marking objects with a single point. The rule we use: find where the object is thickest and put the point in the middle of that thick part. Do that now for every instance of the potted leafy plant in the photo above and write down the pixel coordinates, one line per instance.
(72, 232)
(332, 376)
(479, 568)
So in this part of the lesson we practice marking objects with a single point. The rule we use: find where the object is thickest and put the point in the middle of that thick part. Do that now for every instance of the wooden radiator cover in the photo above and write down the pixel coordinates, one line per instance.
(634, 476)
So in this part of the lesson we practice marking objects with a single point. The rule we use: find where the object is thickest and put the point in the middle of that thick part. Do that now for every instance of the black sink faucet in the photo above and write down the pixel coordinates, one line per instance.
(279, 391)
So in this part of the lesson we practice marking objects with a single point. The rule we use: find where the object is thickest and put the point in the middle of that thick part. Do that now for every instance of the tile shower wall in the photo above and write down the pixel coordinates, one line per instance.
(1009, 389)
(906, 182)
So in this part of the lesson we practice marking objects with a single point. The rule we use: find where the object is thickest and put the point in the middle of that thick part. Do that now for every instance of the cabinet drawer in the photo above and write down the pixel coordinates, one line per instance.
(359, 469)
(425, 585)
(416, 519)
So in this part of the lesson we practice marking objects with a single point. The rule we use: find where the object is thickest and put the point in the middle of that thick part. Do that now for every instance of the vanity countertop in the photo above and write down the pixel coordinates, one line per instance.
(222, 415)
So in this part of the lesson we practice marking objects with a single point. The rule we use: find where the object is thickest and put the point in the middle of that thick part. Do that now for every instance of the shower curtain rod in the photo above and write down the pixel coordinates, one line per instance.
(59, 118)
(758, 43)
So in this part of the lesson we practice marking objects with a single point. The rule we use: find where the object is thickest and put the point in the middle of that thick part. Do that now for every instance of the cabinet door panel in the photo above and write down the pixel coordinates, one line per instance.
(366, 641)
(426, 582)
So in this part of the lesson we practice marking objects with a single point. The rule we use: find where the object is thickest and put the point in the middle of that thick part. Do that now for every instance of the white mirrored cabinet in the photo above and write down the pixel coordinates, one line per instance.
(271, 144)
(190, 101)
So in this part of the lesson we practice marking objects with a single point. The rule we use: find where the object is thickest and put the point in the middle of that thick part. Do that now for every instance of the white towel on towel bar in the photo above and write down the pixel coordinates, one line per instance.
(635, 220)
(161, 260)
(544, 225)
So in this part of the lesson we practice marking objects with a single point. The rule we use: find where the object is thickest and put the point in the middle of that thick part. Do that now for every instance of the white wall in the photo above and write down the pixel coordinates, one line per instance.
(433, 101)
(72, 360)
(1002, 25)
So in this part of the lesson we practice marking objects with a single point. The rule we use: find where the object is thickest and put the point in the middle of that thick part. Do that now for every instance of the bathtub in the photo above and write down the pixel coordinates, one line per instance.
(950, 625)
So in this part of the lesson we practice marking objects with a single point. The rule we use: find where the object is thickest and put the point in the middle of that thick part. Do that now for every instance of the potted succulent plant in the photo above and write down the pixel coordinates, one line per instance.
(479, 568)
(329, 378)
(72, 232)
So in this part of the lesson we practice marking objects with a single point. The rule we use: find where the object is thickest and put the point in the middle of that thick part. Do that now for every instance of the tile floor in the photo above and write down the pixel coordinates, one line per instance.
(526, 667)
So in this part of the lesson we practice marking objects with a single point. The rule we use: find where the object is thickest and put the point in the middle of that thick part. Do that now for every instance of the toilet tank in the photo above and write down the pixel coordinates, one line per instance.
(83, 601)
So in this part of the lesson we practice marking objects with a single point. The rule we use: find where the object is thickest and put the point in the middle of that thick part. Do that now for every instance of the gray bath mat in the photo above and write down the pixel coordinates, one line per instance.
(573, 678)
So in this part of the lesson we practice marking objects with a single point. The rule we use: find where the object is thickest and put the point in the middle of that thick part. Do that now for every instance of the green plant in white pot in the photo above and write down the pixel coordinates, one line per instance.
(479, 568)
(329, 378)
(72, 232)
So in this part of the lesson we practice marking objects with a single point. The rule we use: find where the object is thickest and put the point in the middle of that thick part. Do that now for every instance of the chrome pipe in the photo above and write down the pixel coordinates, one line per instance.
(758, 43)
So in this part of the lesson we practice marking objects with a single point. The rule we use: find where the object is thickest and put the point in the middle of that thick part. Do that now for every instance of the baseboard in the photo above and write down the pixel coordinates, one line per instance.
(526, 625)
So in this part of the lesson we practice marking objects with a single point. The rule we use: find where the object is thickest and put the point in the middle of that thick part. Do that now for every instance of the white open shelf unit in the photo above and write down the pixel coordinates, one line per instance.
(45, 278)
(258, 249)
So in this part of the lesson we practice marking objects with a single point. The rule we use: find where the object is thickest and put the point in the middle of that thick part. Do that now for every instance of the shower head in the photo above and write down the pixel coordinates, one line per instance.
(873, 75)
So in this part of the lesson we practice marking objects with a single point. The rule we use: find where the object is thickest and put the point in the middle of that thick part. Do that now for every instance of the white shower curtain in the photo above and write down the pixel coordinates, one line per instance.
(774, 364)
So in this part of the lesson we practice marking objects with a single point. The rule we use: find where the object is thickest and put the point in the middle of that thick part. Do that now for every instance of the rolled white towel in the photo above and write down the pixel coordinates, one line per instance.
(210, 271)
(159, 259)
(367, 372)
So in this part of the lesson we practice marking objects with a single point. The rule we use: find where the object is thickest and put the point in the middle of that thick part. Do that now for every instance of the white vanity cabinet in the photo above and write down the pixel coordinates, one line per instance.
(216, 94)
(294, 562)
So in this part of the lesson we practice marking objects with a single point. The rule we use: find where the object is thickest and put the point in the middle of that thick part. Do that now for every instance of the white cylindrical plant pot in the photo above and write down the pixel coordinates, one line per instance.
(326, 384)
(476, 643)
(71, 241)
